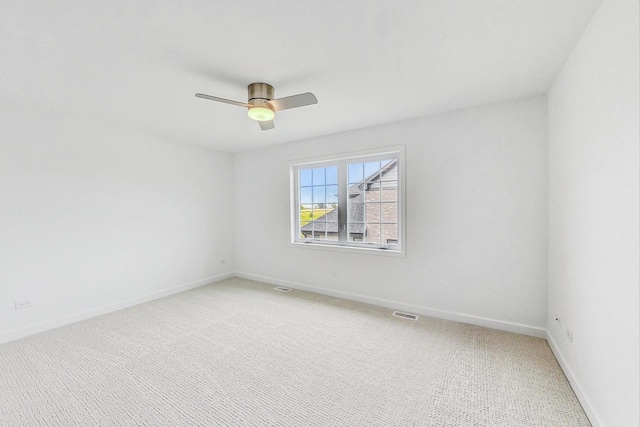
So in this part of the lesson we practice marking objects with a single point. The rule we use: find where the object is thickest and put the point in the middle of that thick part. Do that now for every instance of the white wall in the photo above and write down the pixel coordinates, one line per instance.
(93, 219)
(476, 188)
(593, 215)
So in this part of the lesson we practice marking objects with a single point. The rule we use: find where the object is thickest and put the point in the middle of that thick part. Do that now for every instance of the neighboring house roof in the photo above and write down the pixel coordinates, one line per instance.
(329, 222)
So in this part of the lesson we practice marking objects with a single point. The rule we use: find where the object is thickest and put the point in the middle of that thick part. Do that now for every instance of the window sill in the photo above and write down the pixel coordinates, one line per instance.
(350, 249)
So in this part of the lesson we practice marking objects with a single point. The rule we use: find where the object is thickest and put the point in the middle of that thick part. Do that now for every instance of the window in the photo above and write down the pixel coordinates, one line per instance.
(353, 201)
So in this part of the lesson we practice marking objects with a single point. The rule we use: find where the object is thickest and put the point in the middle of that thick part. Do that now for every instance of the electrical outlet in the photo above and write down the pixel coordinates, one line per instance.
(335, 275)
(24, 304)
(569, 336)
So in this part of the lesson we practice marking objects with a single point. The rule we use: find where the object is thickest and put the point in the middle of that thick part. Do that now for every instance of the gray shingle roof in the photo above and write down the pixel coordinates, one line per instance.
(329, 222)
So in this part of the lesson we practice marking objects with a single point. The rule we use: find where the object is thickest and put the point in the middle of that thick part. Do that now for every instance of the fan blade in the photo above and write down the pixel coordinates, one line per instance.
(267, 125)
(226, 101)
(294, 101)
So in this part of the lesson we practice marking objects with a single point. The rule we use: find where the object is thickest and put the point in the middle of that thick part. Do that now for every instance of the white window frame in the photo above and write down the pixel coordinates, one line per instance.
(395, 152)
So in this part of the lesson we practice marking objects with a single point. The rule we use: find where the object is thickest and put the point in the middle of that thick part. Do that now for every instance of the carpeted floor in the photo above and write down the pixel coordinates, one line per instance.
(238, 353)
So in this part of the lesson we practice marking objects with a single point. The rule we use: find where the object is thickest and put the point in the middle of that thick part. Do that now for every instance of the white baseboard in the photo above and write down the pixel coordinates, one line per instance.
(577, 389)
(417, 309)
(108, 308)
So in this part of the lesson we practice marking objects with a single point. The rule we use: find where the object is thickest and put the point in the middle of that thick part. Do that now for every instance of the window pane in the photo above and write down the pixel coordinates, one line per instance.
(389, 213)
(372, 195)
(305, 197)
(356, 194)
(372, 212)
(320, 214)
(332, 194)
(332, 231)
(372, 234)
(390, 173)
(355, 212)
(331, 175)
(318, 196)
(356, 231)
(389, 194)
(370, 169)
(319, 234)
(312, 223)
(318, 176)
(389, 233)
(318, 228)
(325, 230)
(306, 216)
(356, 172)
(305, 177)
(389, 185)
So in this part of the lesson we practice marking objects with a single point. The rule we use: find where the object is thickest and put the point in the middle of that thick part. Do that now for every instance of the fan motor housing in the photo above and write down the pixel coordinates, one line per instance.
(260, 91)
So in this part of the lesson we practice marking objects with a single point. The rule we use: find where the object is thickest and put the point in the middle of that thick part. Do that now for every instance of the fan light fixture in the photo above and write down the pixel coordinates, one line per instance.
(262, 103)
(261, 114)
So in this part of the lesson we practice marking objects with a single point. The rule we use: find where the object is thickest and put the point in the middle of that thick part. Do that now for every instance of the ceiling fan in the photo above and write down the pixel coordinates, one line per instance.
(261, 104)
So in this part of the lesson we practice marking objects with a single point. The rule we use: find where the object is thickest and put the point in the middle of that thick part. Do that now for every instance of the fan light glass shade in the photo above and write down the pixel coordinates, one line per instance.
(261, 114)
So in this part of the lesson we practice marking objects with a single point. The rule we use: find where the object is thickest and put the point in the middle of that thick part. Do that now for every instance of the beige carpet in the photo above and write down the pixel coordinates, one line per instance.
(238, 353)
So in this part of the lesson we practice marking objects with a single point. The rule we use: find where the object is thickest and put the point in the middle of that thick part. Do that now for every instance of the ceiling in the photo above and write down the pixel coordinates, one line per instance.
(138, 64)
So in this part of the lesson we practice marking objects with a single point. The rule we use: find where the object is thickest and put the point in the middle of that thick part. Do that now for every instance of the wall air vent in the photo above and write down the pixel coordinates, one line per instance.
(281, 289)
(405, 315)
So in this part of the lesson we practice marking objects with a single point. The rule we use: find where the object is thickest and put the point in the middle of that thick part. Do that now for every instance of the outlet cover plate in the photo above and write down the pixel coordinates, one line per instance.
(24, 304)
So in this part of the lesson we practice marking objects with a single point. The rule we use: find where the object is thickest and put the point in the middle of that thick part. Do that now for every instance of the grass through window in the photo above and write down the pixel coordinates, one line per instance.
(307, 215)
